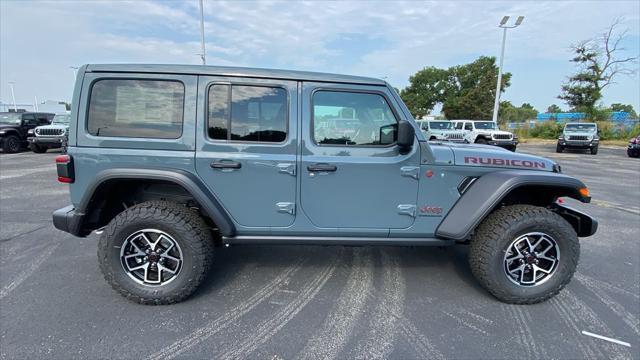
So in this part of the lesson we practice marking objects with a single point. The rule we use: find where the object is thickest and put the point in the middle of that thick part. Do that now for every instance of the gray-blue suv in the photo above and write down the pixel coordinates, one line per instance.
(167, 162)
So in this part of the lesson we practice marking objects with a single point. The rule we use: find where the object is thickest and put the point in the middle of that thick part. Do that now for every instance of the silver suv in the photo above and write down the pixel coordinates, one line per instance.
(583, 136)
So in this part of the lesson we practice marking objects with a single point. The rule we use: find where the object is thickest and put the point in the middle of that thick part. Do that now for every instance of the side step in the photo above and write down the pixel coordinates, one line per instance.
(327, 240)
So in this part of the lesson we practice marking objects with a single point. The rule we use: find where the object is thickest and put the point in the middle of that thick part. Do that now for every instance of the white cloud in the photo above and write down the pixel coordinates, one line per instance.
(392, 39)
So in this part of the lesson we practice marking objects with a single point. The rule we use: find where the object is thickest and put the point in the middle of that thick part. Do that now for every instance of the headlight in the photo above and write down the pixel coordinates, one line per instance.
(590, 137)
(30, 131)
(2, 132)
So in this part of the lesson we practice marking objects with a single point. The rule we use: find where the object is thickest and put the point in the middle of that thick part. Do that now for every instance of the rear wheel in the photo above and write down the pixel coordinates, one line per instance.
(37, 148)
(156, 252)
(524, 254)
(11, 144)
(481, 141)
(632, 153)
(559, 148)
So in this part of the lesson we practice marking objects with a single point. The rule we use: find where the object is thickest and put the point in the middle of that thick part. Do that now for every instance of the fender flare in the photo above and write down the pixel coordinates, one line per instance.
(481, 197)
(210, 204)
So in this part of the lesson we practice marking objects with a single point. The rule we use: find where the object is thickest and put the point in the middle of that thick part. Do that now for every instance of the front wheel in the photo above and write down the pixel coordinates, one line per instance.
(594, 150)
(156, 252)
(481, 141)
(559, 148)
(524, 254)
(11, 144)
(632, 153)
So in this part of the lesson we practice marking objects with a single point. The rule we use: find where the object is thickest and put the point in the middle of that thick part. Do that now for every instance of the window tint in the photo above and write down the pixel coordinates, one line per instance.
(468, 126)
(251, 113)
(349, 118)
(136, 108)
(458, 126)
(29, 119)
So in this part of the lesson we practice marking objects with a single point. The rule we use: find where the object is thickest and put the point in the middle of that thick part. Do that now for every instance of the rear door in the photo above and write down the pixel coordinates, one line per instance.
(353, 175)
(247, 146)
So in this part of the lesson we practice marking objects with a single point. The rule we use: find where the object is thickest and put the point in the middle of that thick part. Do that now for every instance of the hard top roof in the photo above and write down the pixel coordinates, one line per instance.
(235, 72)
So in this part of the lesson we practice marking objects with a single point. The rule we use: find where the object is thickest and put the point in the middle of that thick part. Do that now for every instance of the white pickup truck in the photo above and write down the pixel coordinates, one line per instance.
(486, 132)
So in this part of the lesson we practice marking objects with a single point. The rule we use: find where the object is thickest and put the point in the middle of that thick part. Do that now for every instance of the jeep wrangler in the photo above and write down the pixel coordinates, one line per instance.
(167, 162)
(440, 130)
(51, 136)
(486, 132)
(582, 136)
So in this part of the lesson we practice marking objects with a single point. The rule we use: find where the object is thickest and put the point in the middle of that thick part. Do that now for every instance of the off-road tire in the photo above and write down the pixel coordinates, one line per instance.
(559, 148)
(512, 148)
(482, 141)
(11, 144)
(38, 149)
(594, 150)
(186, 227)
(633, 154)
(499, 229)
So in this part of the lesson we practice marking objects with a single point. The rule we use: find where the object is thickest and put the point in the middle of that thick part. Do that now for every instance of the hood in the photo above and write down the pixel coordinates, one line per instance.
(8, 126)
(493, 156)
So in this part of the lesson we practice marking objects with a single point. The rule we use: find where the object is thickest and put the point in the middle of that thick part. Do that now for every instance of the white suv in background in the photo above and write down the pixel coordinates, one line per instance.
(440, 130)
(486, 132)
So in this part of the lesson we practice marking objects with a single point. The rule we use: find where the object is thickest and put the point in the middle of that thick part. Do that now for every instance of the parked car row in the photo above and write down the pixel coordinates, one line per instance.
(38, 131)
(469, 132)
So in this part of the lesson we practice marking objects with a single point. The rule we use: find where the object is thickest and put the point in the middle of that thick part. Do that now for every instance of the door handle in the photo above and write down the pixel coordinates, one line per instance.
(226, 165)
(322, 168)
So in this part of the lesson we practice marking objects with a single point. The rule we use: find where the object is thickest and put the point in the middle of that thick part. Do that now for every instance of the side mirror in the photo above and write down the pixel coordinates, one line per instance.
(406, 135)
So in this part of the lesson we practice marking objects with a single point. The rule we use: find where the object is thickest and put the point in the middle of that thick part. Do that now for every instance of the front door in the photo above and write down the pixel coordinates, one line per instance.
(352, 173)
(246, 147)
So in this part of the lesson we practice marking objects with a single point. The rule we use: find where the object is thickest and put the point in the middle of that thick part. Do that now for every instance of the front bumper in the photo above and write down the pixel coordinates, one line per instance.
(69, 220)
(578, 144)
(584, 224)
(503, 143)
(48, 140)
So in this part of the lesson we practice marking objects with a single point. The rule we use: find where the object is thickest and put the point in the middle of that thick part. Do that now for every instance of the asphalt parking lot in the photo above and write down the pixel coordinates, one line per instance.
(315, 302)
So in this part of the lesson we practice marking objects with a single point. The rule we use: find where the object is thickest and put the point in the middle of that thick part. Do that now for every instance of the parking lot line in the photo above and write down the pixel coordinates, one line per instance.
(28, 272)
(606, 338)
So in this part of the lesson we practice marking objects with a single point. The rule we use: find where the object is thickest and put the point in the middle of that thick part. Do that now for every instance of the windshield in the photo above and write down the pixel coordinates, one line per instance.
(580, 127)
(9, 118)
(62, 119)
(485, 125)
(440, 125)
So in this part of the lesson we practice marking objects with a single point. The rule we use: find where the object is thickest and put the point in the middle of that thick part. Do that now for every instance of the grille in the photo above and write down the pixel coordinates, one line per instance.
(578, 137)
(502, 136)
(454, 136)
(49, 132)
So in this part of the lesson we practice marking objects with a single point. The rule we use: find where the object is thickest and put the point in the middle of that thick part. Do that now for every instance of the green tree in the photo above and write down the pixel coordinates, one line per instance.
(626, 108)
(471, 91)
(553, 108)
(510, 113)
(426, 88)
(598, 64)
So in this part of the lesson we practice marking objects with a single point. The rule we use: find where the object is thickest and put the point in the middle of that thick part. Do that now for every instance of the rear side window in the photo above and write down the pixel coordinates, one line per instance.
(247, 113)
(136, 108)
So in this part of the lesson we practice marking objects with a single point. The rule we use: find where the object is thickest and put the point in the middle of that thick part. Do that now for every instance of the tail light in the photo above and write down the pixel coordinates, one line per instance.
(64, 165)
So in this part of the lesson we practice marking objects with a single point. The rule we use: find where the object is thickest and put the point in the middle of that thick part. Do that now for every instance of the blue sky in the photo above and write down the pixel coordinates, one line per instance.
(391, 40)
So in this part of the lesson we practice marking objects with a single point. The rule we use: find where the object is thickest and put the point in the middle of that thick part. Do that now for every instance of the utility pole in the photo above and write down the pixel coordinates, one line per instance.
(202, 50)
(504, 26)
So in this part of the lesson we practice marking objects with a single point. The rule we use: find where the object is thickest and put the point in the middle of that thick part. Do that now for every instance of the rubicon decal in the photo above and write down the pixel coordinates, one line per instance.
(430, 210)
(504, 162)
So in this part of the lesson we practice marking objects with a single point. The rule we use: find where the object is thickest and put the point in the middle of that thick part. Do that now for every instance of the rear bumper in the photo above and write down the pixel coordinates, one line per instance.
(68, 220)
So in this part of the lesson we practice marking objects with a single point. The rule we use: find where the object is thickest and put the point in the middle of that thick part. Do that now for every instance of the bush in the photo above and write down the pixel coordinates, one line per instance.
(546, 130)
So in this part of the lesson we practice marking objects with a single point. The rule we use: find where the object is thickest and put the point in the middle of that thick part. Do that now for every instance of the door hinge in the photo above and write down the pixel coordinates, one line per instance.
(410, 171)
(287, 168)
(286, 207)
(407, 209)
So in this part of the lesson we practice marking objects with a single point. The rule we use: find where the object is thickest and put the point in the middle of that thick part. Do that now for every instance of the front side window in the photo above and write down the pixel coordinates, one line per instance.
(30, 119)
(468, 126)
(247, 113)
(485, 125)
(136, 108)
(459, 126)
(352, 119)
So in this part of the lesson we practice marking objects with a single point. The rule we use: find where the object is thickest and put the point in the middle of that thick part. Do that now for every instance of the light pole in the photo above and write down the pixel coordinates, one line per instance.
(202, 51)
(13, 95)
(75, 71)
(504, 26)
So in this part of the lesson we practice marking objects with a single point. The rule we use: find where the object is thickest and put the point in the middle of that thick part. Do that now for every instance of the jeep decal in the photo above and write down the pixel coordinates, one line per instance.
(504, 162)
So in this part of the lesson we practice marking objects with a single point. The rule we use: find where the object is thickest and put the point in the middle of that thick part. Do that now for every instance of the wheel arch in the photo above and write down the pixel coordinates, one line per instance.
(111, 186)
(494, 190)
